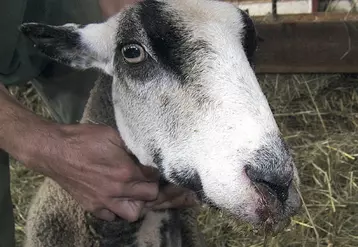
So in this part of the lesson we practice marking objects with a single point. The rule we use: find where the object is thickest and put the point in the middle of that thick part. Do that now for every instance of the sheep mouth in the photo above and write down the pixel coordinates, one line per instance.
(274, 214)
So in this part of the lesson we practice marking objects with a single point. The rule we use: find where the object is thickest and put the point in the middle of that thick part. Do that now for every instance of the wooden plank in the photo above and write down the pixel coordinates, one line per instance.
(284, 7)
(314, 6)
(314, 17)
(264, 7)
(307, 47)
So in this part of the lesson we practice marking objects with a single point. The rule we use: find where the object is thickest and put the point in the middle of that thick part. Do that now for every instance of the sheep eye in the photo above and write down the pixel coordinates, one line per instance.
(134, 53)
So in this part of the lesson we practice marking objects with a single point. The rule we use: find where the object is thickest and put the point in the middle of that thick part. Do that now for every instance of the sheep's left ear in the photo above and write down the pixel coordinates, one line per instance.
(81, 47)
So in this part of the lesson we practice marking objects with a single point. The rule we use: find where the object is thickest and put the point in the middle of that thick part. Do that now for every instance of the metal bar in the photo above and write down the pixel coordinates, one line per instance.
(307, 47)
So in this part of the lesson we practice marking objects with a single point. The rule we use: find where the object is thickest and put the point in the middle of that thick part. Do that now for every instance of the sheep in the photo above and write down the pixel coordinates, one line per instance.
(187, 102)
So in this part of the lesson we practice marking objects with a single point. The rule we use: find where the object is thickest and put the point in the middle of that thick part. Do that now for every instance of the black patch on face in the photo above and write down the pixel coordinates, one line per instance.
(274, 162)
(192, 182)
(129, 34)
(272, 166)
(250, 37)
(158, 160)
(170, 40)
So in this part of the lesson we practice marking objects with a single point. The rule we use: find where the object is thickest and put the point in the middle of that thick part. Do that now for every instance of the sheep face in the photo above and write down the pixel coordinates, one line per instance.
(187, 101)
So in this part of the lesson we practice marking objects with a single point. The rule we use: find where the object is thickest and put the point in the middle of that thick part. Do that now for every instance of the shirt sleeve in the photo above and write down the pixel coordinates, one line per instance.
(19, 61)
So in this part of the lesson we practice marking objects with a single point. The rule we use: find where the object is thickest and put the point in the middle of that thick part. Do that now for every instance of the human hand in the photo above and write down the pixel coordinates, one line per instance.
(92, 165)
(172, 196)
(88, 161)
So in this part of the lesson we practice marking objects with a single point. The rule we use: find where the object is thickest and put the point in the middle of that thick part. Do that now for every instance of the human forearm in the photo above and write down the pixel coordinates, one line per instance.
(86, 160)
(18, 129)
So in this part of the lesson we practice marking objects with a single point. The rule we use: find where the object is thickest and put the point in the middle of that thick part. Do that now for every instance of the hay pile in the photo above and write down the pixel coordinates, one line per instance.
(318, 115)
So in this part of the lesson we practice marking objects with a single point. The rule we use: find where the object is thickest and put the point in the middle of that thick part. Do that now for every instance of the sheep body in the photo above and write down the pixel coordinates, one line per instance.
(55, 218)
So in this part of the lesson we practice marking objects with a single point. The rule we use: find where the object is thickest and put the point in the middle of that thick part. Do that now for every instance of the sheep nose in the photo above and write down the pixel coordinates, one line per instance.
(276, 182)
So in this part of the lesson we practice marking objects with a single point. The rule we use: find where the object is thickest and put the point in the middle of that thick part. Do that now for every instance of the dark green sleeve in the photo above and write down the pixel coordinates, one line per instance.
(19, 61)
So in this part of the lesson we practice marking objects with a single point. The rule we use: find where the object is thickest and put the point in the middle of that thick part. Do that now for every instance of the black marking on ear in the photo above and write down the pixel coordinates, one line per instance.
(57, 42)
(250, 37)
(170, 39)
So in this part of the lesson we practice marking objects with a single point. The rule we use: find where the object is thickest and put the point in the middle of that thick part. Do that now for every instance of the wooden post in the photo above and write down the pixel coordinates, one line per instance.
(314, 6)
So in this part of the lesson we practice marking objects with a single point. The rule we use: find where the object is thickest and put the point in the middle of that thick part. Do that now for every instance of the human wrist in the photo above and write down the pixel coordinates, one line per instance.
(2, 87)
(32, 142)
(30, 139)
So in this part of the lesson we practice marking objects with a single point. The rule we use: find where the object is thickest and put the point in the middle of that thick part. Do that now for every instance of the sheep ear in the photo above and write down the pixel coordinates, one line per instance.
(81, 47)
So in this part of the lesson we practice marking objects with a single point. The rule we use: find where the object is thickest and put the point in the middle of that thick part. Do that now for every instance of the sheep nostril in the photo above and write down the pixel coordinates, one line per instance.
(278, 187)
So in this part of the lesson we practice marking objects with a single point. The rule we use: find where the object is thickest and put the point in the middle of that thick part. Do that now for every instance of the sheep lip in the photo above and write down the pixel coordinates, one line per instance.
(270, 210)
